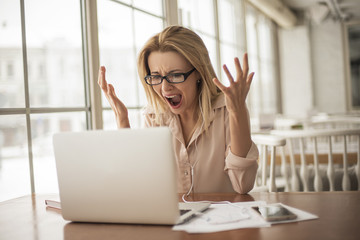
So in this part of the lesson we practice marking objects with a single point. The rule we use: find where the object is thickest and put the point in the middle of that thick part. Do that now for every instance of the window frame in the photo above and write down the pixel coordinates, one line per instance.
(350, 107)
(93, 108)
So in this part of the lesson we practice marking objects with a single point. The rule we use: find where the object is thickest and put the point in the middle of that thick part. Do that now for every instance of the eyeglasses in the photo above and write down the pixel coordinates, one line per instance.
(170, 78)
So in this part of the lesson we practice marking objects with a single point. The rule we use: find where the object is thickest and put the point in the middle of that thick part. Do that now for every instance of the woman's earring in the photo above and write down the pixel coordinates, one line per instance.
(198, 81)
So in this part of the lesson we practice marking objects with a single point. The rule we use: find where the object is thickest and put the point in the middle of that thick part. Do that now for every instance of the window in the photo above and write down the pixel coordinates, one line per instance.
(231, 33)
(353, 63)
(44, 86)
(220, 25)
(36, 103)
(200, 17)
(123, 29)
(10, 70)
(262, 52)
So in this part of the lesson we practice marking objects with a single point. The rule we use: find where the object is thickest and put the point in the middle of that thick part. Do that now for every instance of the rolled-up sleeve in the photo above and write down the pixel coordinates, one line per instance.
(242, 171)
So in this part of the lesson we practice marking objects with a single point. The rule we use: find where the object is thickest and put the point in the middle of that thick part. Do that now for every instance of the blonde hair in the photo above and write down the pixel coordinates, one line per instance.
(188, 44)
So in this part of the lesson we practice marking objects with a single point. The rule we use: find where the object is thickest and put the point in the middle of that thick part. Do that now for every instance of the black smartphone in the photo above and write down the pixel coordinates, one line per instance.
(272, 213)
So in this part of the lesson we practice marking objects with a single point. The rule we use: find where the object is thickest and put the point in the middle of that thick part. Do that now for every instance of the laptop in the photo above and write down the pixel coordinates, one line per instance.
(122, 176)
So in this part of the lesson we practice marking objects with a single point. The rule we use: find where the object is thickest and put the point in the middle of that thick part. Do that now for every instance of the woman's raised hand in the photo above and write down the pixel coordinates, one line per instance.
(236, 93)
(120, 110)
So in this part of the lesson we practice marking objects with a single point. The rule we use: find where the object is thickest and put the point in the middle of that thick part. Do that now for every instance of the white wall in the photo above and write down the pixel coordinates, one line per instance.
(328, 67)
(312, 69)
(295, 71)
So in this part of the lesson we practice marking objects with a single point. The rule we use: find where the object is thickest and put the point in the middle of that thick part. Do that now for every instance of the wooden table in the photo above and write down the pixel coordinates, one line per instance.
(339, 218)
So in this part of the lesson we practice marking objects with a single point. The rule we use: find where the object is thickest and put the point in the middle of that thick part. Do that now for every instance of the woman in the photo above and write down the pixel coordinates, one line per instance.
(209, 121)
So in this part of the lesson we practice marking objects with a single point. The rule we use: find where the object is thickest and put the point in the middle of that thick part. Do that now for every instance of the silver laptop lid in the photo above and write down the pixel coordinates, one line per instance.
(122, 176)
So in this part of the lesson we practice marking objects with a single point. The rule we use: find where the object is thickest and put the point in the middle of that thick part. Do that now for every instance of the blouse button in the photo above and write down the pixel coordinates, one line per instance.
(186, 173)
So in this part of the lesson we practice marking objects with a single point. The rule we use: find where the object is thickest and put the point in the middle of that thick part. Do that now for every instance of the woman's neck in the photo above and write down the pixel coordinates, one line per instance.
(188, 122)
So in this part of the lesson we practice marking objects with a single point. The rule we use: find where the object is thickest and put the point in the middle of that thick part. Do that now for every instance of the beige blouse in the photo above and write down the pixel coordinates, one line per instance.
(215, 168)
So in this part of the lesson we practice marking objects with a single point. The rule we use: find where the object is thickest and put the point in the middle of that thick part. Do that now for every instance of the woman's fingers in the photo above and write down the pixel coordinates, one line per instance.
(219, 84)
(250, 78)
(245, 66)
(101, 79)
(228, 74)
(108, 89)
(239, 71)
(111, 90)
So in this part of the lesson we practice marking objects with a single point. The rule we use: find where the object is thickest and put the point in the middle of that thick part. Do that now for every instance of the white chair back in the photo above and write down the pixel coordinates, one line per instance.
(265, 143)
(332, 135)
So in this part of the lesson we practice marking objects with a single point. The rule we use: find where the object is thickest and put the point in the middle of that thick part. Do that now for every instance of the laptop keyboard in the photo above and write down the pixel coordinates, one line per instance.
(183, 211)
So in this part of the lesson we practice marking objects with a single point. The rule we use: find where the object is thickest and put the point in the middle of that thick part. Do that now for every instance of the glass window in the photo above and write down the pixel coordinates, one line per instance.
(135, 117)
(123, 30)
(152, 6)
(267, 66)
(198, 15)
(14, 163)
(254, 98)
(56, 72)
(227, 25)
(11, 78)
(354, 62)
(229, 42)
(263, 97)
(54, 50)
(125, 1)
(142, 34)
(144, 31)
(231, 34)
(43, 128)
(116, 40)
(55, 79)
(210, 44)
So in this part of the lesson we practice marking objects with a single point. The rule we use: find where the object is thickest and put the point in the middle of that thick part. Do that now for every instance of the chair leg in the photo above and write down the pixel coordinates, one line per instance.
(330, 170)
(304, 173)
(346, 179)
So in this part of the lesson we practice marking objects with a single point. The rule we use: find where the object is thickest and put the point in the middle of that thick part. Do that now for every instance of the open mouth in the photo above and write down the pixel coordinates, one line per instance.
(174, 100)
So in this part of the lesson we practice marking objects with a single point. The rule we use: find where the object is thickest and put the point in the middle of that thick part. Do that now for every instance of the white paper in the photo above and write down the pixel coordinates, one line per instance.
(223, 217)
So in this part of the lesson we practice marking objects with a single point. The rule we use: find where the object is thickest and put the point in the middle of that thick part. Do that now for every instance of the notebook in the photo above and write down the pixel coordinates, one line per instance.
(122, 176)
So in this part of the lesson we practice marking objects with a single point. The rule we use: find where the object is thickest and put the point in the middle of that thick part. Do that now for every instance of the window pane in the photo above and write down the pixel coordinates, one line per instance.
(251, 31)
(354, 52)
(125, 1)
(210, 44)
(267, 66)
(145, 27)
(117, 50)
(232, 26)
(260, 42)
(228, 53)
(255, 92)
(11, 61)
(54, 43)
(152, 6)
(266, 46)
(14, 163)
(142, 96)
(268, 87)
(109, 122)
(43, 128)
(227, 25)
(198, 15)
(135, 117)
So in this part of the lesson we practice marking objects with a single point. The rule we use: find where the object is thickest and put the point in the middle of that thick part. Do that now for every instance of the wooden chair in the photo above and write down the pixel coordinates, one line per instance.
(266, 143)
(303, 137)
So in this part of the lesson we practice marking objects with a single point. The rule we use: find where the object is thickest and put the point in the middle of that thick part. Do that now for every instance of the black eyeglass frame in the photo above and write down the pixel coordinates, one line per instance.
(186, 75)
